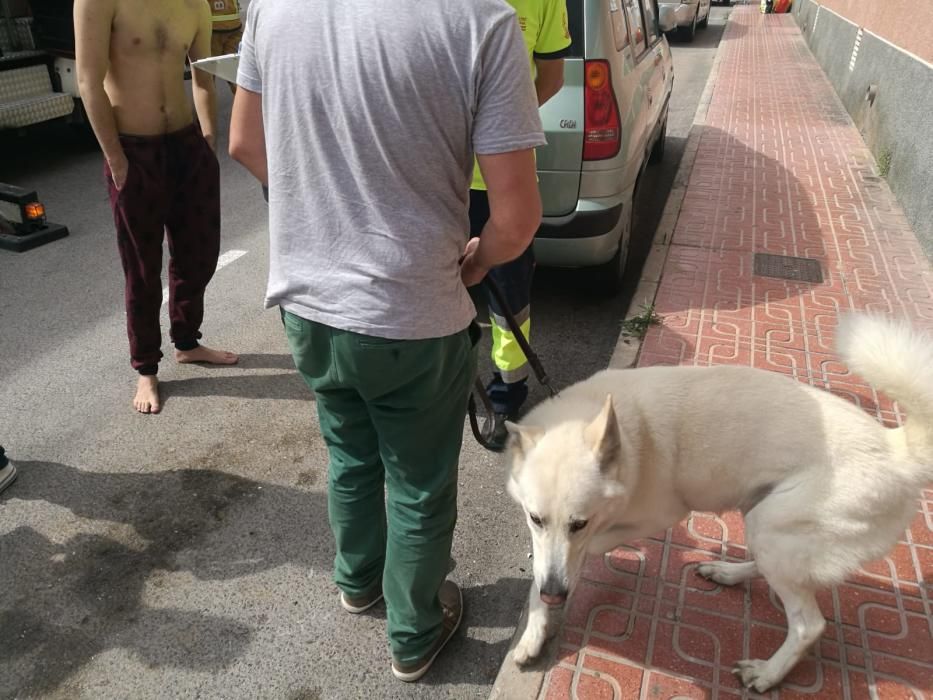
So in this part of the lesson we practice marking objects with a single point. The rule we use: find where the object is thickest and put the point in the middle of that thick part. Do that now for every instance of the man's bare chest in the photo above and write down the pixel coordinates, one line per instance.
(155, 28)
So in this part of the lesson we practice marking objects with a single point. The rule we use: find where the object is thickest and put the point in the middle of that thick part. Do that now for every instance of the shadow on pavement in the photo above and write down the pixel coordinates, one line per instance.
(258, 386)
(741, 202)
(266, 361)
(66, 602)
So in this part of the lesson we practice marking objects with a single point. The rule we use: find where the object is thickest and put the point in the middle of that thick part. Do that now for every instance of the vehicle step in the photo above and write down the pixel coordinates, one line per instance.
(27, 97)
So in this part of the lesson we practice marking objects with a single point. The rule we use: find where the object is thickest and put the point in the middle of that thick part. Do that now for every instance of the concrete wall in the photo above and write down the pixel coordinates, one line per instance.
(905, 23)
(898, 124)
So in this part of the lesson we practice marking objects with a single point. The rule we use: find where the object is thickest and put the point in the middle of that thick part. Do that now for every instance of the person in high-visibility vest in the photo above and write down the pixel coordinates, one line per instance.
(227, 29)
(546, 32)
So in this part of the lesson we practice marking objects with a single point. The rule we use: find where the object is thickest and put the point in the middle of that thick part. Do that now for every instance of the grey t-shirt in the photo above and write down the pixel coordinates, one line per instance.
(372, 112)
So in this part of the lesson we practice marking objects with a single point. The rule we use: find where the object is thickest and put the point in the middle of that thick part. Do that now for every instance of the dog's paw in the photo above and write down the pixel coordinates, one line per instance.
(528, 648)
(723, 573)
(754, 673)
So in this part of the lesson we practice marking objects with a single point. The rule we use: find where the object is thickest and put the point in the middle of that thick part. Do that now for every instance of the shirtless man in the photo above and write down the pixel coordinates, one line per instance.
(162, 173)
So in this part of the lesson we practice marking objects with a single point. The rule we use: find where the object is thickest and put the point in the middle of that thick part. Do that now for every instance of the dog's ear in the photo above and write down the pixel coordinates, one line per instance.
(522, 438)
(602, 435)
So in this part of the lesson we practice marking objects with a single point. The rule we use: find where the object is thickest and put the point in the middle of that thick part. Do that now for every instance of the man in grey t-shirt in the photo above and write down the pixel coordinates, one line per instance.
(363, 119)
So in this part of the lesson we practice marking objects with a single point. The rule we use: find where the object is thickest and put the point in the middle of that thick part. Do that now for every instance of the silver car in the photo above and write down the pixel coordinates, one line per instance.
(688, 16)
(603, 127)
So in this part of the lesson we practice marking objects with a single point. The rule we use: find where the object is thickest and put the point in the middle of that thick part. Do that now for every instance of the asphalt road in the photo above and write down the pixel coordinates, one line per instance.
(188, 555)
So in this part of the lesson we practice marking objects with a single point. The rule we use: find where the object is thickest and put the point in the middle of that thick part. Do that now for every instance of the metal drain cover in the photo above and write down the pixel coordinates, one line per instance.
(788, 268)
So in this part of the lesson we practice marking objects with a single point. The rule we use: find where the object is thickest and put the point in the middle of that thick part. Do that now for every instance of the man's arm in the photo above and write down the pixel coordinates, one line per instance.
(93, 19)
(514, 213)
(247, 138)
(202, 82)
(549, 78)
(551, 45)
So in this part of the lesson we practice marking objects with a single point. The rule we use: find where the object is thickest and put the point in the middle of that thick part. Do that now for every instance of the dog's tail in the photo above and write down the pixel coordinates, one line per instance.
(897, 360)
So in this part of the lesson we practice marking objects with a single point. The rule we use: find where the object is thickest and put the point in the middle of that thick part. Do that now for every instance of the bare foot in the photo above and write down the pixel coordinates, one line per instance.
(202, 353)
(147, 395)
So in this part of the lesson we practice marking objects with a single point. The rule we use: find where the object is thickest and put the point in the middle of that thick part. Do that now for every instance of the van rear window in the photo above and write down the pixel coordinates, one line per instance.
(575, 15)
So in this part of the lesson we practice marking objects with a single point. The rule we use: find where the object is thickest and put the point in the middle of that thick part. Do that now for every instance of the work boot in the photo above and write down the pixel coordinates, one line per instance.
(507, 400)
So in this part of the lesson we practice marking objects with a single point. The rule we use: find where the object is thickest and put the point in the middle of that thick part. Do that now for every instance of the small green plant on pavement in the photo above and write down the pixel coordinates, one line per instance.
(637, 326)
(884, 164)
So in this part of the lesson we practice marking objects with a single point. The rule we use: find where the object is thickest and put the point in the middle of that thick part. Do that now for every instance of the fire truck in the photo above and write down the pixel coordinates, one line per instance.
(37, 84)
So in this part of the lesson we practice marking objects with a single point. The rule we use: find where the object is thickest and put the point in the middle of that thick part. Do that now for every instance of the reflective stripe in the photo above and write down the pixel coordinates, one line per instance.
(520, 317)
(225, 18)
(506, 352)
(514, 375)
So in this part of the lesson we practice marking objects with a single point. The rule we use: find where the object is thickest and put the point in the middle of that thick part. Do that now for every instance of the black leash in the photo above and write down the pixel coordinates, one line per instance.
(483, 434)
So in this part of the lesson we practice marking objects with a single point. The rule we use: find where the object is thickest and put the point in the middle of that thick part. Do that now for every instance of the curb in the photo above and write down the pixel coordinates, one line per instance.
(512, 682)
(628, 347)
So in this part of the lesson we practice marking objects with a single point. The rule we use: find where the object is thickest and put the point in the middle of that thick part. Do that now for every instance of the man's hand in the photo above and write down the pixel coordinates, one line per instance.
(472, 271)
(119, 167)
(211, 141)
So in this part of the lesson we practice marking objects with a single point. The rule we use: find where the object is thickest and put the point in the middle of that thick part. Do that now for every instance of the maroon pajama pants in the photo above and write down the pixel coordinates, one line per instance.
(172, 188)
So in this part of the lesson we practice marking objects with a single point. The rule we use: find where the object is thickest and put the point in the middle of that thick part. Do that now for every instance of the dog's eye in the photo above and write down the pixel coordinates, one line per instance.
(577, 525)
(535, 519)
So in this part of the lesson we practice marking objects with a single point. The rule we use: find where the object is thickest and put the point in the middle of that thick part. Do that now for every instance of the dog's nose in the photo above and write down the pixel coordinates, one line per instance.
(553, 600)
(553, 591)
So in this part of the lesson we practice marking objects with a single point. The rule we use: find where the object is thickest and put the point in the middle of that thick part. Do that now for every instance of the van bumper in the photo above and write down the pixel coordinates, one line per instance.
(683, 12)
(587, 236)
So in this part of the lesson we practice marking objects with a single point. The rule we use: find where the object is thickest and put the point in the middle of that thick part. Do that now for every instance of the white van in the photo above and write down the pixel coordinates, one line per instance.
(603, 127)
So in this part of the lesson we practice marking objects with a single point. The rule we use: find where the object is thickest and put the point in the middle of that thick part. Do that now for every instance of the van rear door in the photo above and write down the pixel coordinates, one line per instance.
(560, 161)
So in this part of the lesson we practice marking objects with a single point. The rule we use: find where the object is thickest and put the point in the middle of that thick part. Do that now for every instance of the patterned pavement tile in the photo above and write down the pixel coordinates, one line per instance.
(783, 171)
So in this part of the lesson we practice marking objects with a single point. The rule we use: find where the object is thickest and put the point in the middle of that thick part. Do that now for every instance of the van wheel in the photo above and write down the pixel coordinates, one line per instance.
(689, 33)
(606, 279)
(657, 151)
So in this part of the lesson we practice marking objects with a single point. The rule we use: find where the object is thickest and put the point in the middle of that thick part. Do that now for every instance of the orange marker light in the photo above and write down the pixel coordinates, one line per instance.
(34, 211)
(596, 75)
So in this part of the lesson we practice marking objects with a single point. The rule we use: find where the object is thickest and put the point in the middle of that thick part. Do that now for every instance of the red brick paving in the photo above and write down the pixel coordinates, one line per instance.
(780, 169)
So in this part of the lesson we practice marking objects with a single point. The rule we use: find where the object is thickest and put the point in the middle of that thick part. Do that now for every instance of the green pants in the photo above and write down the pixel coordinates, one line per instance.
(391, 413)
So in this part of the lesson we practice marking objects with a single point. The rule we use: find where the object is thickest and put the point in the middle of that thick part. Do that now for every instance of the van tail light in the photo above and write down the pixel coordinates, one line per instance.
(601, 130)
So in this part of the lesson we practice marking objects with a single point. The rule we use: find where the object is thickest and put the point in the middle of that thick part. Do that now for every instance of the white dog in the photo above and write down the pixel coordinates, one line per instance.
(823, 487)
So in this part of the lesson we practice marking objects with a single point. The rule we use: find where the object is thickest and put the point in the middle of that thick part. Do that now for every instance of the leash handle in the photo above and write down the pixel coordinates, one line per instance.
(482, 434)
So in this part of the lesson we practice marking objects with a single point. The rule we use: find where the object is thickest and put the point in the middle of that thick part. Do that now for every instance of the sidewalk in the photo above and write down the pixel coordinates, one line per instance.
(781, 170)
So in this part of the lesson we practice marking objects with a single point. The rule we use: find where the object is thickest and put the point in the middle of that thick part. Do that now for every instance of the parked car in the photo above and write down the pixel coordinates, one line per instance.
(603, 127)
(689, 15)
